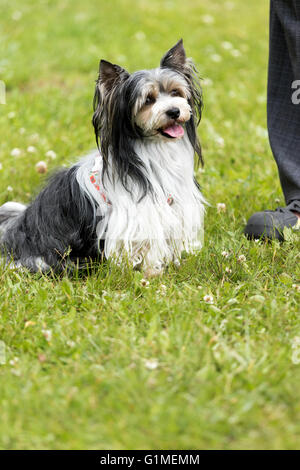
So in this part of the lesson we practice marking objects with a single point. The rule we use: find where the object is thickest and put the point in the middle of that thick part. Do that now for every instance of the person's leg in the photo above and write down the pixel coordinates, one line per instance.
(283, 119)
(283, 115)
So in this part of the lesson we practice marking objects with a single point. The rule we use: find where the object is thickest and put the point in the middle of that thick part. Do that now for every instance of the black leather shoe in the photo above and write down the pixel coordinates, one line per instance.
(270, 224)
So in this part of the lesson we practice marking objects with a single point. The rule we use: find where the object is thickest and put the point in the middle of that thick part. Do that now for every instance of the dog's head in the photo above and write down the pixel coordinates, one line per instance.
(162, 103)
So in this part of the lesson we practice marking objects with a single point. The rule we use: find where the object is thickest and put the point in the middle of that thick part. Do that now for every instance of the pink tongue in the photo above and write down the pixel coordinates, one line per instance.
(174, 131)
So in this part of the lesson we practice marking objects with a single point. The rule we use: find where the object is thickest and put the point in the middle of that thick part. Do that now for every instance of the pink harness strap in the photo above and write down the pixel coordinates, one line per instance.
(95, 180)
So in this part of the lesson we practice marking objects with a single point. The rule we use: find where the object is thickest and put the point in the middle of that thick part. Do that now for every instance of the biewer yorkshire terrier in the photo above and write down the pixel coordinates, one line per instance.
(136, 197)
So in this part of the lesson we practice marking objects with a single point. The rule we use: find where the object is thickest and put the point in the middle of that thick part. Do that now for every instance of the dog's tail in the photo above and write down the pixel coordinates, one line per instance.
(8, 213)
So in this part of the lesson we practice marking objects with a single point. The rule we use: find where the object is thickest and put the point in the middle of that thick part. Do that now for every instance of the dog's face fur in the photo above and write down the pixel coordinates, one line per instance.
(161, 104)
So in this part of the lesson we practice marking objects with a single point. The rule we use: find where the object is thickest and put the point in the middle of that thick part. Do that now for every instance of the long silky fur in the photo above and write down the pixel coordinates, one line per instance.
(114, 132)
(175, 58)
(151, 230)
(69, 220)
(59, 219)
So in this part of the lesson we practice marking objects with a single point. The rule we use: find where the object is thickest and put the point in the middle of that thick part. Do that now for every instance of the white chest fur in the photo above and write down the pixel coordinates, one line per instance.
(151, 232)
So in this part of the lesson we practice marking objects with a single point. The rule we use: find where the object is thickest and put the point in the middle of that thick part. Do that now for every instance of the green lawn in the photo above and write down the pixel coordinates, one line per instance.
(102, 361)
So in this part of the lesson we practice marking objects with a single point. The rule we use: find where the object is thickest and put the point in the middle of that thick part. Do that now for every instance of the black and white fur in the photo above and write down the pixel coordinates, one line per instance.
(149, 208)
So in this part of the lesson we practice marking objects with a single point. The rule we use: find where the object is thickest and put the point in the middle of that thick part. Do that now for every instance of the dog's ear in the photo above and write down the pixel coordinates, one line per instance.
(175, 57)
(111, 74)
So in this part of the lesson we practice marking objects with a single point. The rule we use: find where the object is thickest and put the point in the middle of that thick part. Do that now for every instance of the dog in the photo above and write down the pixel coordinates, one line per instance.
(133, 198)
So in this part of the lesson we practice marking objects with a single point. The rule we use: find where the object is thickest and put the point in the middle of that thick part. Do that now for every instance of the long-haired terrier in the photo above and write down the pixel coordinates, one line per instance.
(136, 198)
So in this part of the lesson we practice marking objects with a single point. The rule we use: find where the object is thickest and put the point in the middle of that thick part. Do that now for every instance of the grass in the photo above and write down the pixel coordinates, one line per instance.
(102, 361)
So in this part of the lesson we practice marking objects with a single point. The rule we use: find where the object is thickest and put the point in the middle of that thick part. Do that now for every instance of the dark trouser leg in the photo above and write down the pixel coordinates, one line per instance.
(283, 115)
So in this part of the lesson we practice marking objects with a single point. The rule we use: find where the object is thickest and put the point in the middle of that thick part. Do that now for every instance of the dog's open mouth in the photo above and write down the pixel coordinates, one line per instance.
(172, 132)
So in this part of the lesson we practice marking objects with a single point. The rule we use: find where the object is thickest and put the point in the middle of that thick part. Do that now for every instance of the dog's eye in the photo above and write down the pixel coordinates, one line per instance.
(150, 99)
(175, 92)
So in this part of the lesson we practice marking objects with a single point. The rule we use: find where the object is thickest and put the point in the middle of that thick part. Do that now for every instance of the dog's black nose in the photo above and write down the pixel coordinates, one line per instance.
(173, 113)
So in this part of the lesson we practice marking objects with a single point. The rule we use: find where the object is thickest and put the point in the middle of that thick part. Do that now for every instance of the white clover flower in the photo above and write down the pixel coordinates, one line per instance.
(9, 189)
(35, 137)
(207, 82)
(47, 334)
(221, 207)
(14, 361)
(220, 141)
(151, 364)
(22, 130)
(160, 293)
(235, 53)
(121, 59)
(261, 132)
(11, 115)
(208, 299)
(296, 350)
(227, 45)
(15, 152)
(207, 19)
(31, 149)
(216, 58)
(296, 356)
(17, 15)
(140, 35)
(225, 254)
(41, 167)
(261, 99)
(51, 154)
(228, 270)
(162, 290)
(241, 259)
(296, 342)
(145, 283)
